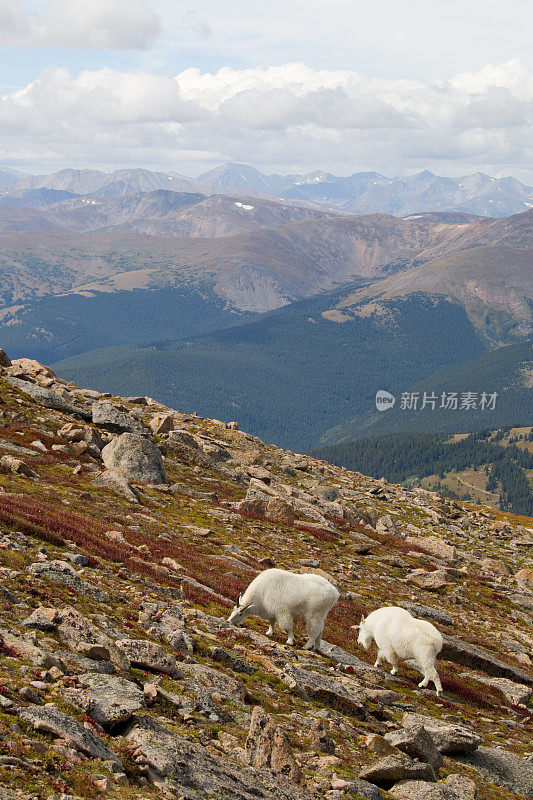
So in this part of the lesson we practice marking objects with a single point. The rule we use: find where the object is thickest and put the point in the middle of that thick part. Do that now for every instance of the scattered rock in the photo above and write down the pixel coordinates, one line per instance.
(268, 746)
(432, 581)
(148, 655)
(365, 789)
(17, 466)
(503, 768)
(395, 768)
(435, 546)
(50, 719)
(447, 736)
(47, 398)
(62, 572)
(193, 772)
(162, 423)
(136, 457)
(110, 479)
(320, 738)
(415, 741)
(469, 655)
(115, 420)
(524, 579)
(339, 693)
(107, 699)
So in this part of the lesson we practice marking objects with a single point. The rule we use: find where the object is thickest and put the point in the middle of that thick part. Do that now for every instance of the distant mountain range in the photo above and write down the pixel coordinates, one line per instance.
(360, 193)
(287, 315)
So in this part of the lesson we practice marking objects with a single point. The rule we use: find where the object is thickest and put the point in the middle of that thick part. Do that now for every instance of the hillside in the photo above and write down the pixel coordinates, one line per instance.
(119, 675)
(290, 375)
(489, 273)
(506, 371)
(494, 468)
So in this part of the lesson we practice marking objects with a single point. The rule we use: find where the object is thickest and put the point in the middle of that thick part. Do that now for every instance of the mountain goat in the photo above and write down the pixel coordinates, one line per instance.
(282, 597)
(399, 635)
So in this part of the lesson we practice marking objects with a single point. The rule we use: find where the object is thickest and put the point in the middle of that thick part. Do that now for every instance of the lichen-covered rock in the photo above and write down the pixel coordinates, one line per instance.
(116, 420)
(148, 655)
(464, 789)
(62, 572)
(395, 768)
(267, 745)
(192, 772)
(448, 737)
(110, 479)
(503, 768)
(47, 397)
(415, 741)
(470, 655)
(50, 719)
(136, 457)
(340, 693)
(107, 699)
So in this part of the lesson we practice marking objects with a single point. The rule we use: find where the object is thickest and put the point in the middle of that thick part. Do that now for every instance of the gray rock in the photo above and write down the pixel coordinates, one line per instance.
(136, 457)
(268, 746)
(148, 655)
(17, 466)
(115, 420)
(339, 693)
(234, 662)
(503, 768)
(52, 720)
(415, 741)
(47, 398)
(109, 479)
(426, 612)
(195, 774)
(365, 789)
(462, 789)
(448, 737)
(62, 572)
(215, 681)
(395, 768)
(107, 699)
(469, 655)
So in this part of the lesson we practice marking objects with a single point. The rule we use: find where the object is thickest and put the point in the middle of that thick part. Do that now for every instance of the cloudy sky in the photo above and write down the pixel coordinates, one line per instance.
(289, 85)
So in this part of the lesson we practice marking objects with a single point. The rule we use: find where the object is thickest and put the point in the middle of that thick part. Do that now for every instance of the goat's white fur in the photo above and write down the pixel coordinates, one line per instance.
(282, 597)
(399, 635)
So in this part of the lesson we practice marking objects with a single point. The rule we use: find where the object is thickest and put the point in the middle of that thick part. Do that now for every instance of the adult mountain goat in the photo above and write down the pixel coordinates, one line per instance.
(399, 635)
(282, 597)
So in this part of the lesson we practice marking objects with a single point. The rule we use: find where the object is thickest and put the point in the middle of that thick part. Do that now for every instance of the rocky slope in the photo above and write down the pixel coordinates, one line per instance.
(128, 529)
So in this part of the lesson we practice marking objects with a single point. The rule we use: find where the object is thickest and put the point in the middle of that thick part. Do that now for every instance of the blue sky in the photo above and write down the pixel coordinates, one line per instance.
(287, 86)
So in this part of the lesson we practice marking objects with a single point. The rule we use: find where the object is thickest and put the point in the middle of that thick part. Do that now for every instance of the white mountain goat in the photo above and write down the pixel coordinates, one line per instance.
(399, 635)
(282, 597)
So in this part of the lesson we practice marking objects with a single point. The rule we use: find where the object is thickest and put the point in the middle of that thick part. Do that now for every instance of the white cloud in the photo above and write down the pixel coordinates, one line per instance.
(98, 24)
(287, 117)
